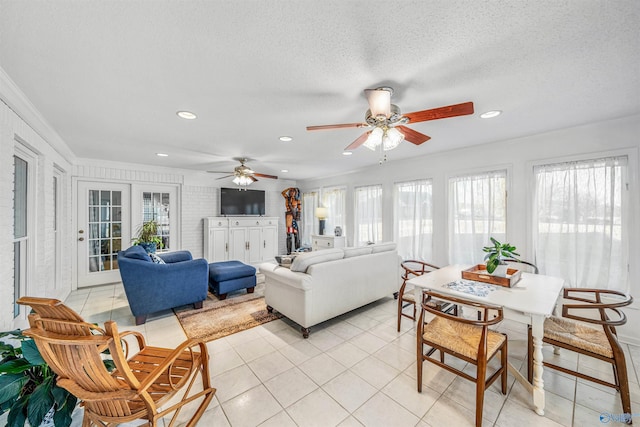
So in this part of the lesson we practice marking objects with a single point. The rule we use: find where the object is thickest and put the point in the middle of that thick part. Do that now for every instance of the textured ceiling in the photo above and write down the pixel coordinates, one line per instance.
(109, 76)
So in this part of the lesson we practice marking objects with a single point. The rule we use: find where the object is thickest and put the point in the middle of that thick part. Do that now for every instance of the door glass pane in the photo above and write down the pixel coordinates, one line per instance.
(16, 277)
(105, 224)
(20, 198)
(156, 206)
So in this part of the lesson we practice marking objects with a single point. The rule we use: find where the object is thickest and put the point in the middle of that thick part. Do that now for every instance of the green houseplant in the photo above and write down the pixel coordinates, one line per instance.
(28, 387)
(148, 237)
(497, 253)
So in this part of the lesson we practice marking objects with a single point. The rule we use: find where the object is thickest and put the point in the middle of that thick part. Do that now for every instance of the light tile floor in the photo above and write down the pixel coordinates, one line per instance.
(356, 370)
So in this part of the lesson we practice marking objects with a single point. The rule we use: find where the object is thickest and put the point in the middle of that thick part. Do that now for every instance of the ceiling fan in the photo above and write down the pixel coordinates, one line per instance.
(243, 174)
(388, 122)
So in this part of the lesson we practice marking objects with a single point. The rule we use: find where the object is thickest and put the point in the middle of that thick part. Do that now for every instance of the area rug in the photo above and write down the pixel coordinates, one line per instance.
(219, 318)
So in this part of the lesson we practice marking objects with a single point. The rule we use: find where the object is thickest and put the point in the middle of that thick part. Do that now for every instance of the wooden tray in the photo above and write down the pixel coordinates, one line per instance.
(479, 274)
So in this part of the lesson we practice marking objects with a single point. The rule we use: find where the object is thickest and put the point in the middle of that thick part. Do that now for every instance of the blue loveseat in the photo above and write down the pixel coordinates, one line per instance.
(151, 287)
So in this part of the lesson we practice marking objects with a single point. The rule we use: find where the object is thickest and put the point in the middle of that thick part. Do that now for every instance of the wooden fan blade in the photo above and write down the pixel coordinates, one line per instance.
(262, 175)
(413, 136)
(339, 126)
(226, 176)
(463, 109)
(358, 142)
(253, 178)
(219, 172)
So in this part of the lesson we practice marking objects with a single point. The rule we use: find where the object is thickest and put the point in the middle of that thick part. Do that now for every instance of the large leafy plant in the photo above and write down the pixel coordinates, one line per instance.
(497, 253)
(28, 387)
(148, 233)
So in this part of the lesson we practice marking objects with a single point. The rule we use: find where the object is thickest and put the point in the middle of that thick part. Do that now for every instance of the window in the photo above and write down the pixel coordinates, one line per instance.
(368, 214)
(580, 221)
(155, 206)
(20, 236)
(309, 205)
(413, 228)
(477, 211)
(334, 199)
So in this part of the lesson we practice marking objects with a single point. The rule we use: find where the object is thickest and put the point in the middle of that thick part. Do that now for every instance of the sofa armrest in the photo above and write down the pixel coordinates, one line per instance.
(285, 276)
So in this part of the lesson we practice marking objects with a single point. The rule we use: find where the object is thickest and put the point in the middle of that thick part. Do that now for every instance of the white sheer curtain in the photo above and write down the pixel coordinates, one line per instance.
(477, 211)
(309, 204)
(413, 228)
(334, 199)
(368, 214)
(580, 223)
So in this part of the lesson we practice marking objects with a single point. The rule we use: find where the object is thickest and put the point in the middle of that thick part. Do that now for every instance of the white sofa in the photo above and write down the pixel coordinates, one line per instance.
(324, 284)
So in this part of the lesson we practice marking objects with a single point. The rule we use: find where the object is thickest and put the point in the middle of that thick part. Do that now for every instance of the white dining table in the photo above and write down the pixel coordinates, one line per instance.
(532, 299)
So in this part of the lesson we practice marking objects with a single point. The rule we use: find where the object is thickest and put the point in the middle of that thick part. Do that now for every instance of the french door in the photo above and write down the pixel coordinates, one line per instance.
(103, 230)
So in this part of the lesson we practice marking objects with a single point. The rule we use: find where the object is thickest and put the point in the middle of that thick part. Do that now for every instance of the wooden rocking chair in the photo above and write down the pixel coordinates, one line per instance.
(140, 385)
(55, 316)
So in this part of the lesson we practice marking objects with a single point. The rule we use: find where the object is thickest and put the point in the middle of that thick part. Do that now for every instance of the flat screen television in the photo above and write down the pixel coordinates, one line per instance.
(241, 202)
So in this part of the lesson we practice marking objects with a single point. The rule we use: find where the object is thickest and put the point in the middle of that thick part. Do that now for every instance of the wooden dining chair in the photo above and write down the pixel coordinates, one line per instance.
(139, 387)
(591, 334)
(406, 297)
(464, 338)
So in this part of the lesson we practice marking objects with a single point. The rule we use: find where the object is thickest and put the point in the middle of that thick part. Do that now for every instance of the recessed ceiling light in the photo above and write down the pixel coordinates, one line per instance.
(490, 114)
(284, 170)
(285, 138)
(162, 155)
(347, 153)
(186, 115)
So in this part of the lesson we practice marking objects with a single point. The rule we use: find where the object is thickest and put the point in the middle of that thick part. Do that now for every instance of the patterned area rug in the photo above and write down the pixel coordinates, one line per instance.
(219, 318)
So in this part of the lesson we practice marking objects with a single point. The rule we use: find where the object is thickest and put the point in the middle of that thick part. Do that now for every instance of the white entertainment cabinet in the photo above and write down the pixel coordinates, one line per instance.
(250, 239)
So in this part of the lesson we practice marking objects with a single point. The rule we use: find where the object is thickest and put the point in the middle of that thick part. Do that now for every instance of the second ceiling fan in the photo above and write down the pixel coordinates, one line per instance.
(388, 122)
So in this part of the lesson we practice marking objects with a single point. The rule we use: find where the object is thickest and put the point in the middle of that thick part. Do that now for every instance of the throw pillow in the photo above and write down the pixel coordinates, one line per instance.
(351, 252)
(155, 258)
(136, 252)
(303, 261)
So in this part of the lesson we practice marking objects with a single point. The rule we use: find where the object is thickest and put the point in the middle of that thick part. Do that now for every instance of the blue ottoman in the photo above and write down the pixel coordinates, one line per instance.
(229, 276)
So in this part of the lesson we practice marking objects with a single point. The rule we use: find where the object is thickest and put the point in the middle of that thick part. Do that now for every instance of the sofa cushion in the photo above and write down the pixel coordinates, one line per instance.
(136, 252)
(303, 261)
(383, 247)
(361, 250)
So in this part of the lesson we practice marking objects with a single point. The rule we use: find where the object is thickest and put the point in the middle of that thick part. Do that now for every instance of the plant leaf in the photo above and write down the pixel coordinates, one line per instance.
(15, 366)
(10, 386)
(31, 353)
(40, 402)
(17, 416)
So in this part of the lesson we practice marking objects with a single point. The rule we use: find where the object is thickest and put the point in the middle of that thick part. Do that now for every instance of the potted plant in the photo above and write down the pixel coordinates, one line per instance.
(496, 254)
(148, 237)
(28, 387)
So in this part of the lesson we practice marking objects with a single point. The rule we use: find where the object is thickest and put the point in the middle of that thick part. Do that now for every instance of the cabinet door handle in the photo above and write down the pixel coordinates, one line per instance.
(264, 243)
(226, 247)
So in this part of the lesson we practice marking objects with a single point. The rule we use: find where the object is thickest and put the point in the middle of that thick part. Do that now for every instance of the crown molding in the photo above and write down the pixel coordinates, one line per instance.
(11, 95)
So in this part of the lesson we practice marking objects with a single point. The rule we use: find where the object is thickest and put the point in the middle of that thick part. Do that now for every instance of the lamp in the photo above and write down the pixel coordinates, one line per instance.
(388, 137)
(242, 180)
(321, 214)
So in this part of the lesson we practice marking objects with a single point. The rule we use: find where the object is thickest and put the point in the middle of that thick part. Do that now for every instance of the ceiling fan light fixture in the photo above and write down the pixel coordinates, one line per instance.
(242, 180)
(374, 139)
(392, 138)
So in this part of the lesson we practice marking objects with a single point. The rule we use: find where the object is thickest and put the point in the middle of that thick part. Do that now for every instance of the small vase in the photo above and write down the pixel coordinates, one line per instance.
(500, 271)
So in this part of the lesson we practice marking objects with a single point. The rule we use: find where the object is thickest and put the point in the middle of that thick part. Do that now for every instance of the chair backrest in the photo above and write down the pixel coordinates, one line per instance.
(55, 316)
(78, 362)
(595, 303)
(412, 268)
(484, 320)
(519, 264)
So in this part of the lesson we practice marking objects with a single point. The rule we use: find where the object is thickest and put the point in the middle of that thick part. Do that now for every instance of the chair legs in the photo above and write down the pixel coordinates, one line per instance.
(401, 306)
